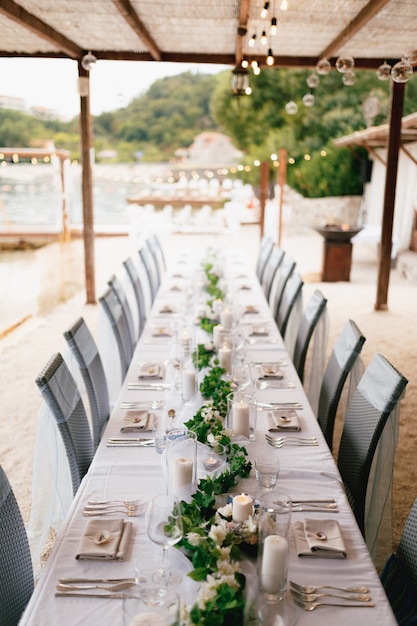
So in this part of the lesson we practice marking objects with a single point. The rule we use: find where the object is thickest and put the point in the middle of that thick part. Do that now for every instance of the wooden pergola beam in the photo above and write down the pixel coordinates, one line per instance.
(244, 8)
(22, 17)
(368, 12)
(134, 21)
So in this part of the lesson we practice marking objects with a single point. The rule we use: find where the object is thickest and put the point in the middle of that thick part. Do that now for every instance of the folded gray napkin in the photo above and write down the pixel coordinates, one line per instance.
(161, 332)
(284, 419)
(138, 420)
(151, 371)
(105, 540)
(259, 331)
(319, 538)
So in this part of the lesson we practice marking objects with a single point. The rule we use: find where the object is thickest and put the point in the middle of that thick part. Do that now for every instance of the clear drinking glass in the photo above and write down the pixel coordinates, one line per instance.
(164, 528)
(267, 471)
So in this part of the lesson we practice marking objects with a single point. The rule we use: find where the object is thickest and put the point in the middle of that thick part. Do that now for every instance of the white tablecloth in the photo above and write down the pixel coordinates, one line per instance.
(138, 473)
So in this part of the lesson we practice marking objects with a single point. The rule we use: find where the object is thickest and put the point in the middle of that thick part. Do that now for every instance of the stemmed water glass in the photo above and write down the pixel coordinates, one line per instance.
(164, 527)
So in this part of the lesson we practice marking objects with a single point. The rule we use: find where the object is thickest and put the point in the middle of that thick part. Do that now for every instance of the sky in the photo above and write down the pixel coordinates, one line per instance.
(53, 83)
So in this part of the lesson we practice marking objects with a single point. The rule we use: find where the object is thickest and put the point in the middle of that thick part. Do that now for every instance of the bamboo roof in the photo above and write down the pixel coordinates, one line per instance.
(209, 31)
(377, 136)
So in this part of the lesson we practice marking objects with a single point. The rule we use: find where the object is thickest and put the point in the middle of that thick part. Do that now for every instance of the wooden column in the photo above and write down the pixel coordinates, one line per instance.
(66, 230)
(394, 142)
(282, 179)
(264, 190)
(86, 133)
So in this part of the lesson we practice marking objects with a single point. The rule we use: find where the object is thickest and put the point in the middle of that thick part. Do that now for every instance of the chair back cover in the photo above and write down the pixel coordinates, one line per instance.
(148, 262)
(265, 249)
(139, 295)
(60, 392)
(115, 283)
(271, 268)
(279, 283)
(367, 450)
(342, 359)
(290, 310)
(85, 351)
(158, 258)
(16, 572)
(114, 313)
(407, 548)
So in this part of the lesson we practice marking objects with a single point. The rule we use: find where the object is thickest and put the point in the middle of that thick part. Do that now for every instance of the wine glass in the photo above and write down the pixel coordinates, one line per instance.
(164, 527)
(241, 374)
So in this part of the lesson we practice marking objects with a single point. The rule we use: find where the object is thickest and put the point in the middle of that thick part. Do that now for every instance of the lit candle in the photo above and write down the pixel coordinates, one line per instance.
(225, 358)
(274, 564)
(226, 318)
(188, 384)
(242, 507)
(182, 472)
(240, 418)
(149, 619)
(211, 463)
(216, 334)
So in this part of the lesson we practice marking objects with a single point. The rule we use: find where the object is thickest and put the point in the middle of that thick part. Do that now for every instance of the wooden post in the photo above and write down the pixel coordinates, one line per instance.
(66, 231)
(264, 190)
(86, 132)
(394, 142)
(282, 179)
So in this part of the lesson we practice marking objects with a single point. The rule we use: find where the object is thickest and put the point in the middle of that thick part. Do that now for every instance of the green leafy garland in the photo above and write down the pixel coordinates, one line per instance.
(209, 543)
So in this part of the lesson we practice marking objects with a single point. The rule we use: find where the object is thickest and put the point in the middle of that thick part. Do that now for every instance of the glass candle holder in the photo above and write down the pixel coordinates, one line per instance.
(189, 375)
(272, 560)
(181, 461)
(241, 414)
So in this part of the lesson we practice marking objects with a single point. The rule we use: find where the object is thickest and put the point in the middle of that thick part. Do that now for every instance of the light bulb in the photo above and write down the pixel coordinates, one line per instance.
(291, 107)
(252, 40)
(264, 11)
(313, 80)
(384, 71)
(270, 58)
(402, 71)
(323, 67)
(284, 5)
(88, 61)
(349, 78)
(257, 70)
(345, 64)
(263, 38)
(308, 100)
(245, 63)
(273, 29)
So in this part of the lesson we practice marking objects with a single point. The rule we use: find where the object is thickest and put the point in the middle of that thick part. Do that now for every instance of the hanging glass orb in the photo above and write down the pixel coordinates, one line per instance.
(349, 78)
(308, 100)
(323, 67)
(291, 107)
(88, 61)
(345, 63)
(313, 80)
(384, 71)
(402, 71)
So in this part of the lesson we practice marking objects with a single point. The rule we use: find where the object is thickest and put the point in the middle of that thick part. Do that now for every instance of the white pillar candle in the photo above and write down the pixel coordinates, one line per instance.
(226, 318)
(149, 619)
(240, 419)
(242, 507)
(225, 358)
(188, 384)
(182, 472)
(274, 564)
(216, 334)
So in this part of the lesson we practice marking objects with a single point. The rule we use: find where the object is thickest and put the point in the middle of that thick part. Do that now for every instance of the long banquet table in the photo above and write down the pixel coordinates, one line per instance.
(137, 472)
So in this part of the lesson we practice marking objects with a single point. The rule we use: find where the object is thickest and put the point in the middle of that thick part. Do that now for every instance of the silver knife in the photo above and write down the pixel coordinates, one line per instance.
(81, 594)
(143, 440)
(279, 405)
(66, 581)
(148, 386)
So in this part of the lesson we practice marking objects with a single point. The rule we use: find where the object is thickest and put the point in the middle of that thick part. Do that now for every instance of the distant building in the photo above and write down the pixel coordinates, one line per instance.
(210, 147)
(13, 103)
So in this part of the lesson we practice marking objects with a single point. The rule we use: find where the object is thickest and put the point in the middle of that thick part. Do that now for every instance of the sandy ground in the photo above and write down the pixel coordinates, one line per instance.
(26, 350)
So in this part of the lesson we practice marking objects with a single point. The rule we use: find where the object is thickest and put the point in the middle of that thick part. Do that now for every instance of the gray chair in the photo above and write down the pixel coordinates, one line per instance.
(407, 548)
(279, 283)
(375, 399)
(62, 396)
(155, 248)
(265, 250)
(272, 266)
(344, 355)
(118, 322)
(138, 290)
(292, 292)
(115, 284)
(16, 571)
(84, 348)
(149, 267)
(315, 308)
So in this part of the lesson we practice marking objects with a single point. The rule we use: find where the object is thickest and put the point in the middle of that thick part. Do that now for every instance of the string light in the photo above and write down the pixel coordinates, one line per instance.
(264, 11)
(263, 38)
(252, 40)
(273, 28)
(270, 58)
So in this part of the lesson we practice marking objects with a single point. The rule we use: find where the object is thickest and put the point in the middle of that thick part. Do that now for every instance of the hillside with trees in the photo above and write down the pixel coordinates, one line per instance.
(174, 109)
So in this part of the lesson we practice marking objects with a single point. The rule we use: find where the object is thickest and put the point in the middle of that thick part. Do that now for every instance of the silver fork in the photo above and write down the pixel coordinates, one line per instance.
(310, 606)
(278, 442)
(313, 589)
(275, 384)
(92, 511)
(152, 404)
(313, 597)
(127, 503)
